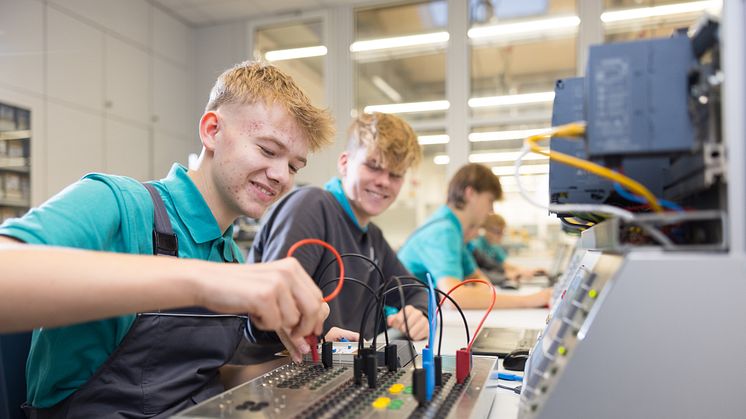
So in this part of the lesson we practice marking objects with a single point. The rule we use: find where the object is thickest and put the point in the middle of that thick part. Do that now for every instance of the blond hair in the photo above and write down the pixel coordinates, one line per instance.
(388, 135)
(494, 222)
(251, 81)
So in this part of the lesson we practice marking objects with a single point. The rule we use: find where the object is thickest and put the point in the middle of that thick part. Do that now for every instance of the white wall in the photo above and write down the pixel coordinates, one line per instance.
(110, 85)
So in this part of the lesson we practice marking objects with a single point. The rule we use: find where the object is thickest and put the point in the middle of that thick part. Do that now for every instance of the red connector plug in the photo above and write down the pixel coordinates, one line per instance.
(313, 342)
(463, 365)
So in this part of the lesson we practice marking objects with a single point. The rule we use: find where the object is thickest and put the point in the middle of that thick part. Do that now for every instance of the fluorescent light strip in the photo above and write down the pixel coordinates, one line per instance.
(400, 42)
(386, 88)
(295, 53)
(533, 169)
(504, 156)
(521, 99)
(657, 11)
(476, 137)
(528, 26)
(433, 139)
(436, 105)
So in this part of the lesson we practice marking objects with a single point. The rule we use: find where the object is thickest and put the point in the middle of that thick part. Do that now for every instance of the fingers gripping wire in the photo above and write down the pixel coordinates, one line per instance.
(312, 340)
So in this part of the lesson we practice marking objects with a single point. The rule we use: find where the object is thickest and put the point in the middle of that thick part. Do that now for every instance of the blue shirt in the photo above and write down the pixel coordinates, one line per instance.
(494, 251)
(437, 247)
(115, 214)
(335, 187)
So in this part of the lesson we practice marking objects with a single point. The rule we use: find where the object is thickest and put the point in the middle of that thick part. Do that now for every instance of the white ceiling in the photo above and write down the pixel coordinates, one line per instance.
(208, 12)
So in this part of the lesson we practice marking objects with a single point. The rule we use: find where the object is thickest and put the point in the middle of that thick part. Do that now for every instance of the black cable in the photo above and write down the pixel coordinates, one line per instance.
(440, 312)
(516, 390)
(367, 309)
(406, 323)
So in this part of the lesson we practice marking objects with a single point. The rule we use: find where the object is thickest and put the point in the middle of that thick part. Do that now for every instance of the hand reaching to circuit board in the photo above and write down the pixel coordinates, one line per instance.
(418, 324)
(335, 334)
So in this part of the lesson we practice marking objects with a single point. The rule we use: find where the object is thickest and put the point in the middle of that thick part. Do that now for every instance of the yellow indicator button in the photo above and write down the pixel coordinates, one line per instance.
(593, 293)
(562, 350)
(396, 388)
(381, 402)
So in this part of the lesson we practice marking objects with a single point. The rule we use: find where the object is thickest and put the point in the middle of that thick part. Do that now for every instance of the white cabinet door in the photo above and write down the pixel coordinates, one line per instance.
(74, 61)
(22, 44)
(74, 145)
(171, 38)
(127, 81)
(127, 150)
(172, 98)
(169, 149)
(127, 18)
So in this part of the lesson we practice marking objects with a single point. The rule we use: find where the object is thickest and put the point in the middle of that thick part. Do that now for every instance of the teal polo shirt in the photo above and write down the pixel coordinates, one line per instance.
(115, 214)
(334, 186)
(437, 247)
(494, 251)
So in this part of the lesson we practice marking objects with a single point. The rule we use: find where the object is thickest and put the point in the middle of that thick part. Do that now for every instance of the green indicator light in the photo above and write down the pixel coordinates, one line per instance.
(562, 350)
(593, 293)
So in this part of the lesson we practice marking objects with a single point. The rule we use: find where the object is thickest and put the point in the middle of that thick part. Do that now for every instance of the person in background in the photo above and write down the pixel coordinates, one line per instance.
(380, 150)
(438, 247)
(489, 253)
(256, 132)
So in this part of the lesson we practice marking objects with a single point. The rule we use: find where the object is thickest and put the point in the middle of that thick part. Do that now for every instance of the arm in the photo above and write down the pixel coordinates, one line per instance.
(75, 286)
(478, 296)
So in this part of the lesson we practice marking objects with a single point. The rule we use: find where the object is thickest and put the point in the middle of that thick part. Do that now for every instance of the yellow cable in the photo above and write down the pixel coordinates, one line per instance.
(577, 129)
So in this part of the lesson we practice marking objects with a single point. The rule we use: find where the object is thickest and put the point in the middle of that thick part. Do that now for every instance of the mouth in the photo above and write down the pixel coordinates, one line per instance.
(377, 195)
(264, 192)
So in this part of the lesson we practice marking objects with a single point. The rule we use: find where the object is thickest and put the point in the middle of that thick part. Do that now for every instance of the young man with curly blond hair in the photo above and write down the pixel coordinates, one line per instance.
(380, 150)
(256, 132)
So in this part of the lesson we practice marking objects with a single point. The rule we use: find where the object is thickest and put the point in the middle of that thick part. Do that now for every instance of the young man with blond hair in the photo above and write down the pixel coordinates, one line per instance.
(380, 150)
(438, 247)
(256, 133)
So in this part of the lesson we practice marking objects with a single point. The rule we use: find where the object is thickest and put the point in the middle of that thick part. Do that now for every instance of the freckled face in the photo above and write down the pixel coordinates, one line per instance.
(370, 187)
(258, 150)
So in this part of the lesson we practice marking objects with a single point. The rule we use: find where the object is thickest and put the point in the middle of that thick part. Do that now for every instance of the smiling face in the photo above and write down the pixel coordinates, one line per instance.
(256, 151)
(370, 187)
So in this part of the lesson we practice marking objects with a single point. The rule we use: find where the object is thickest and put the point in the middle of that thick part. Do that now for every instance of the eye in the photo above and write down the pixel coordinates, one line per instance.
(373, 166)
(293, 169)
(267, 152)
(395, 176)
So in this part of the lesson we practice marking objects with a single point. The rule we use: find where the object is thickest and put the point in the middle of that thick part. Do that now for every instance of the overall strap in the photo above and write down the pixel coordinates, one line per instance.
(165, 242)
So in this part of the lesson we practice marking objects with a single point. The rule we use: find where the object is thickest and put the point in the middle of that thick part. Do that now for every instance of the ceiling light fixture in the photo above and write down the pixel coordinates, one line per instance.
(507, 100)
(386, 88)
(524, 27)
(295, 53)
(433, 139)
(435, 105)
(659, 11)
(503, 156)
(434, 38)
(518, 134)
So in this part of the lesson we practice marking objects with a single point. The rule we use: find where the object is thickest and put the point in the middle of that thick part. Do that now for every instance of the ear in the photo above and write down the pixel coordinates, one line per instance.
(209, 127)
(468, 194)
(342, 163)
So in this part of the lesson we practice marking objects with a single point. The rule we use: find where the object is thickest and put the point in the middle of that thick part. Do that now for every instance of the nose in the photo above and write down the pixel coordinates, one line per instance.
(278, 173)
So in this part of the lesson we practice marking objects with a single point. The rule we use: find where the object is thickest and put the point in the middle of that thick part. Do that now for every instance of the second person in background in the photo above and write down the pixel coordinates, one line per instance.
(438, 247)
(380, 150)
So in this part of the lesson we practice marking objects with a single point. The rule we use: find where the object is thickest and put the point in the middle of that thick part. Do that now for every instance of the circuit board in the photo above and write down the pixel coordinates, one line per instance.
(312, 391)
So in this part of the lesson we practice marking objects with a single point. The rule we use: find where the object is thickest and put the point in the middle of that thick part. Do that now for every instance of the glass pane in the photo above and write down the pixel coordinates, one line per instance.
(399, 55)
(298, 49)
(625, 20)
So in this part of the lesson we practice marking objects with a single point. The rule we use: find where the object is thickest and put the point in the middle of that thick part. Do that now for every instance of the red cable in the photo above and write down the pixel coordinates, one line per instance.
(492, 304)
(334, 251)
(311, 339)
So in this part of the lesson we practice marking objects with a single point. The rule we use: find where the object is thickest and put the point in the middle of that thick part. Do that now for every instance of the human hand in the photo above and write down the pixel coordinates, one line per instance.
(277, 295)
(335, 334)
(419, 327)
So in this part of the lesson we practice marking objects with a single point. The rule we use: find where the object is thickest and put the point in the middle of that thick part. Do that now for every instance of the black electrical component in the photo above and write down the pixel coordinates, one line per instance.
(357, 369)
(438, 370)
(392, 359)
(371, 369)
(326, 354)
(419, 388)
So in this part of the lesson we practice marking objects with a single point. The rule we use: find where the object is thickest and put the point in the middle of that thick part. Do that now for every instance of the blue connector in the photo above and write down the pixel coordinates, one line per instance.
(428, 362)
(506, 376)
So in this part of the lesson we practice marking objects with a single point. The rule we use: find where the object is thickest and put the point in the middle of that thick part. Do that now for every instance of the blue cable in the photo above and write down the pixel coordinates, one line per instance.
(640, 200)
(506, 376)
(428, 361)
